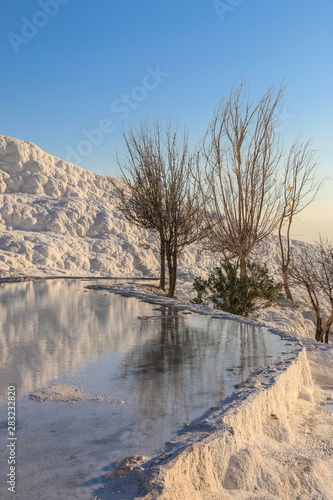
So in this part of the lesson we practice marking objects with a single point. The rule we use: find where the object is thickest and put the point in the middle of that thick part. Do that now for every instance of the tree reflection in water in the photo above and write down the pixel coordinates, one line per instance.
(189, 365)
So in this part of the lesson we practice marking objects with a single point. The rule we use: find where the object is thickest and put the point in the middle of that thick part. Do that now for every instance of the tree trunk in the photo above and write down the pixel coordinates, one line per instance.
(285, 281)
(326, 329)
(285, 259)
(172, 265)
(173, 279)
(322, 332)
(169, 261)
(319, 329)
(243, 268)
(162, 272)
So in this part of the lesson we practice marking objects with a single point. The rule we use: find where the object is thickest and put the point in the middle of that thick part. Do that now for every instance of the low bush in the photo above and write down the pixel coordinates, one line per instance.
(236, 294)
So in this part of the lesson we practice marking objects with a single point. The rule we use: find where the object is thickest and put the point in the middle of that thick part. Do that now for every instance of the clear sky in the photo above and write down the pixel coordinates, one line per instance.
(73, 72)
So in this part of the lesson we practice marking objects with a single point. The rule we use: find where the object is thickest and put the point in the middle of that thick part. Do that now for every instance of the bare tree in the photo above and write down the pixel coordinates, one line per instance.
(242, 154)
(300, 188)
(158, 191)
(139, 188)
(314, 272)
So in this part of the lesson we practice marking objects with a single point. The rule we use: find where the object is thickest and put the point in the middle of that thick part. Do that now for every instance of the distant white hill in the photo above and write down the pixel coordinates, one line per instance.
(58, 219)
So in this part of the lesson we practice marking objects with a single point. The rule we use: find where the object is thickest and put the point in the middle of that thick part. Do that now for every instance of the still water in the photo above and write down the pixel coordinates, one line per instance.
(156, 367)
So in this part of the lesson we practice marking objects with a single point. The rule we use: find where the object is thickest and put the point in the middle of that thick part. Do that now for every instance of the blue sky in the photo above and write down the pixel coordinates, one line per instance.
(69, 67)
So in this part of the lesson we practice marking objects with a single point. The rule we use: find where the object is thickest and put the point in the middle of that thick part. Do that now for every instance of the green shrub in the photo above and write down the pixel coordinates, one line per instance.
(236, 294)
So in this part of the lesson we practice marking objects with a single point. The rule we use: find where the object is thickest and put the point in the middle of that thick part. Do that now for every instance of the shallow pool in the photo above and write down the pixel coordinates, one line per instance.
(156, 368)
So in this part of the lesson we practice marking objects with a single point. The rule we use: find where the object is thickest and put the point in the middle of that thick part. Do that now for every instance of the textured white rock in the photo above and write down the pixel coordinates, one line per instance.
(266, 442)
(57, 218)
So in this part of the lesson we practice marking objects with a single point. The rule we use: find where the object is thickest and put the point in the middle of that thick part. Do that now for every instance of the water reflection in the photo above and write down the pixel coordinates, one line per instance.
(159, 354)
(52, 326)
(190, 364)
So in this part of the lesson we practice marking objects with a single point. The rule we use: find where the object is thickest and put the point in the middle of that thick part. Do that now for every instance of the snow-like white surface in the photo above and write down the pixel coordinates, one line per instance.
(243, 455)
(58, 219)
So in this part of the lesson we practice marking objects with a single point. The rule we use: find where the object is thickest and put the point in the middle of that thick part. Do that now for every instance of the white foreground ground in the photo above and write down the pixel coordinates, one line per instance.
(57, 219)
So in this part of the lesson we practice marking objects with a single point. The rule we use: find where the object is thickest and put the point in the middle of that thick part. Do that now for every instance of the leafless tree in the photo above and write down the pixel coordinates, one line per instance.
(158, 191)
(300, 188)
(242, 152)
(314, 272)
(139, 188)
